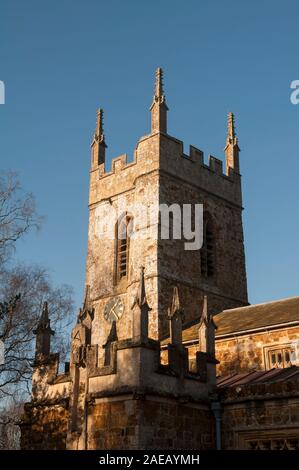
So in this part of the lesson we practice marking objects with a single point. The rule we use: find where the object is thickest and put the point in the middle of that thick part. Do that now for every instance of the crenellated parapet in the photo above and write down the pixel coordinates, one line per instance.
(160, 152)
(164, 154)
(123, 174)
(193, 170)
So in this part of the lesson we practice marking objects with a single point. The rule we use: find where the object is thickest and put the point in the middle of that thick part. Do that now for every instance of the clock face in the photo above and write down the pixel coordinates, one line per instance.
(113, 309)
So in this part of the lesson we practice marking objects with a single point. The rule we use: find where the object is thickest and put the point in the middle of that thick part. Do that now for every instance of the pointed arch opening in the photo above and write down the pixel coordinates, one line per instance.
(124, 229)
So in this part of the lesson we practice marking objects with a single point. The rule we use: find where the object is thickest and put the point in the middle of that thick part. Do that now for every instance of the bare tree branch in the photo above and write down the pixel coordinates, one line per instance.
(17, 214)
(23, 290)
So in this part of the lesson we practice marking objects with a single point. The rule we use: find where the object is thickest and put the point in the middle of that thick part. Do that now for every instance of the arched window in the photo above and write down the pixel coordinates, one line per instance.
(123, 233)
(208, 248)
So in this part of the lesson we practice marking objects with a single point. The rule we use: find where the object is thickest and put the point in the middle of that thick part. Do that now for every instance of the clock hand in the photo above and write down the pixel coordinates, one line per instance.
(112, 311)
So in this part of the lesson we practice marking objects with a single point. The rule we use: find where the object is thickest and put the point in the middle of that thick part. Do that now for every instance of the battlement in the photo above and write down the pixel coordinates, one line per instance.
(215, 165)
(117, 164)
(193, 170)
(164, 154)
(195, 155)
(158, 151)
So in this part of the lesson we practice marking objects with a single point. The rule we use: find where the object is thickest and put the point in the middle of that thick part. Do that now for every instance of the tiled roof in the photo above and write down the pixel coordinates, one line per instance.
(250, 318)
(258, 316)
(259, 377)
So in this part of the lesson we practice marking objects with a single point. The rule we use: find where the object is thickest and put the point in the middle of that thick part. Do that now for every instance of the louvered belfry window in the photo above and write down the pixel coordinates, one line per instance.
(124, 228)
(208, 250)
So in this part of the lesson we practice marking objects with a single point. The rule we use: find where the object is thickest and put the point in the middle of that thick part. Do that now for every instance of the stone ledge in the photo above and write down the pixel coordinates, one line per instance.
(144, 394)
(63, 401)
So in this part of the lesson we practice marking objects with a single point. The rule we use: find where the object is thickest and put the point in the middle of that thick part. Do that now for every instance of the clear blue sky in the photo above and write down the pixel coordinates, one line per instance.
(61, 60)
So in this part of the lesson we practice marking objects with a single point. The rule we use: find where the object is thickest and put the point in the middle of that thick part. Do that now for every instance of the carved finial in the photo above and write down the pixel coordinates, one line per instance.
(140, 298)
(175, 316)
(43, 334)
(159, 108)
(98, 144)
(177, 353)
(175, 305)
(159, 89)
(44, 318)
(44, 322)
(231, 135)
(232, 147)
(207, 329)
(140, 309)
(204, 315)
(100, 126)
(86, 303)
(86, 311)
(159, 92)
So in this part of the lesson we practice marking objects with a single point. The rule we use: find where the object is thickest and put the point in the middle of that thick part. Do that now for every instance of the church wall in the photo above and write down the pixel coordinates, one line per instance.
(135, 184)
(186, 180)
(244, 353)
(264, 416)
(44, 427)
(153, 423)
(248, 352)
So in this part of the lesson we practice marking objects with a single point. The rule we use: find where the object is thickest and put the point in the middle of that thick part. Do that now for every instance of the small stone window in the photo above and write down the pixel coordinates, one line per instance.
(123, 233)
(281, 357)
(208, 249)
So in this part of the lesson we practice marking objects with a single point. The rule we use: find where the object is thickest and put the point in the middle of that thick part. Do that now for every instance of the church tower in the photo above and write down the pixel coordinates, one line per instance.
(143, 285)
(161, 174)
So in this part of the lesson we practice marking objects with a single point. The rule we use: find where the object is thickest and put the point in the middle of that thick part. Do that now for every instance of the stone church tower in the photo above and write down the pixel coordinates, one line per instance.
(162, 174)
(140, 287)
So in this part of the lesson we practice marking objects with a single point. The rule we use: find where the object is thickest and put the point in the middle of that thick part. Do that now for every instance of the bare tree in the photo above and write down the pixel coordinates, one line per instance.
(10, 432)
(23, 290)
(29, 287)
(17, 214)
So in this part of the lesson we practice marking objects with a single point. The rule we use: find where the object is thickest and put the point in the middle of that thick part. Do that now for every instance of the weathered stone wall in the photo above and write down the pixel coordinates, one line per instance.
(44, 427)
(162, 174)
(173, 425)
(248, 352)
(121, 189)
(261, 416)
(265, 414)
(186, 180)
(244, 353)
(149, 424)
